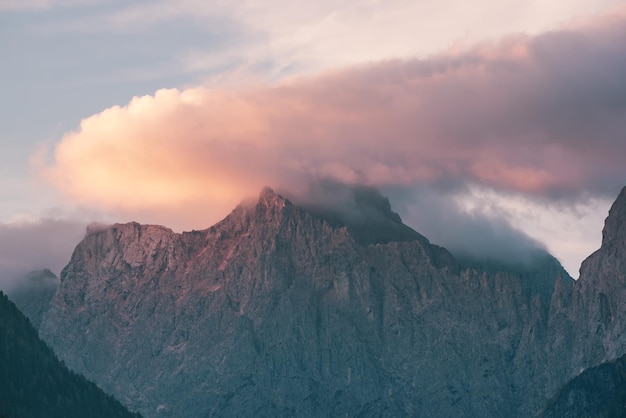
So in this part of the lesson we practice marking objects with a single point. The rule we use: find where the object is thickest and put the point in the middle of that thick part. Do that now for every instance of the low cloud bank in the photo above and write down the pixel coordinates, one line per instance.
(473, 234)
(542, 116)
(25, 247)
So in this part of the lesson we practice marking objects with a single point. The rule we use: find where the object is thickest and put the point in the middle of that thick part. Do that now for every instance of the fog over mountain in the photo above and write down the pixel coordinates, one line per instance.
(48, 243)
(467, 233)
(29, 246)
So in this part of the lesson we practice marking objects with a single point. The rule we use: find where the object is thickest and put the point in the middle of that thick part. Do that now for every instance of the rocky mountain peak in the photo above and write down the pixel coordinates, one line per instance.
(612, 253)
(126, 232)
(327, 306)
(614, 232)
(270, 201)
(363, 210)
(269, 197)
(268, 211)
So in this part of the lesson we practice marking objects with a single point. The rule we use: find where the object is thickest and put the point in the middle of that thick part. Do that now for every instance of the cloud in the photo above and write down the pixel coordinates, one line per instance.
(481, 233)
(544, 116)
(29, 246)
(283, 37)
(39, 5)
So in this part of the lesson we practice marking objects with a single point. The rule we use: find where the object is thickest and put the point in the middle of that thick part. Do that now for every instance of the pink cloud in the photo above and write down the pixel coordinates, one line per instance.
(541, 115)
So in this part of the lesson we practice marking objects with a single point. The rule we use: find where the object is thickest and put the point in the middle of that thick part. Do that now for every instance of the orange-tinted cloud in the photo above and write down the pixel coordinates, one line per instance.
(541, 115)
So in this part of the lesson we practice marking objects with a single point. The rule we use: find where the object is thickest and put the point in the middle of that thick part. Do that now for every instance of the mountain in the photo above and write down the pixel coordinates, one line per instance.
(537, 275)
(597, 392)
(33, 292)
(33, 383)
(283, 310)
(362, 210)
(587, 321)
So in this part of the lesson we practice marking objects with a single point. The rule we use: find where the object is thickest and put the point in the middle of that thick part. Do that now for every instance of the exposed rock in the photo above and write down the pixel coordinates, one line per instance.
(537, 274)
(282, 311)
(588, 321)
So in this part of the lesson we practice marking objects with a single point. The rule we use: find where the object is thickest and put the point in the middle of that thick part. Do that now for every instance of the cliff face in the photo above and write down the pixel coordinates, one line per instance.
(587, 321)
(600, 296)
(278, 310)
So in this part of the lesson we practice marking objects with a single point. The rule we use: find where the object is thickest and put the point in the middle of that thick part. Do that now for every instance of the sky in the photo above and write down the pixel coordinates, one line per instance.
(493, 127)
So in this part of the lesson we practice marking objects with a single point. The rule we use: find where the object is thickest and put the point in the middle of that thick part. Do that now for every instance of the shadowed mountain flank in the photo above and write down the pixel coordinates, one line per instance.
(34, 383)
(363, 210)
(33, 292)
(597, 392)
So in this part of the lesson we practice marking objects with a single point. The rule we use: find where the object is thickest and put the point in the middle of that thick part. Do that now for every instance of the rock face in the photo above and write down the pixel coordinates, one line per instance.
(601, 292)
(283, 311)
(588, 321)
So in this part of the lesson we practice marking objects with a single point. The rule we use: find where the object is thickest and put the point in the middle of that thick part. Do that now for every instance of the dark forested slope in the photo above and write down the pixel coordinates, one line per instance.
(34, 383)
(597, 392)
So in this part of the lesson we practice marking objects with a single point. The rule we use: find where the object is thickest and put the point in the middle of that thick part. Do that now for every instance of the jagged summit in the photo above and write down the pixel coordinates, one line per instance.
(365, 214)
(328, 306)
(268, 195)
(614, 232)
(269, 199)
(363, 210)
(613, 249)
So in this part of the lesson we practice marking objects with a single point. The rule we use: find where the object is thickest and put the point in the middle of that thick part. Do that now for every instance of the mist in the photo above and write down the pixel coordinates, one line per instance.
(433, 212)
(25, 247)
(473, 234)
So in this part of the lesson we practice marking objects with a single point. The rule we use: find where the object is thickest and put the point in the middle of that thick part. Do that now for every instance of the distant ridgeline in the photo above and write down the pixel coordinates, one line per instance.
(34, 383)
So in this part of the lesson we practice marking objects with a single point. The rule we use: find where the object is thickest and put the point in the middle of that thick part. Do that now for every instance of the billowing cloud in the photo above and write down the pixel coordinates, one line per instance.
(476, 233)
(542, 116)
(29, 246)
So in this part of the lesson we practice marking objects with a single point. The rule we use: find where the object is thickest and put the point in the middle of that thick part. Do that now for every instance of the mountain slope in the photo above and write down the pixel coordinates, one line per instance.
(597, 392)
(33, 292)
(587, 321)
(283, 311)
(33, 383)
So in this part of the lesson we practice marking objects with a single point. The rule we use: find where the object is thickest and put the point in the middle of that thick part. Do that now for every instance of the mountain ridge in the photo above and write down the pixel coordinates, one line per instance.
(276, 310)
